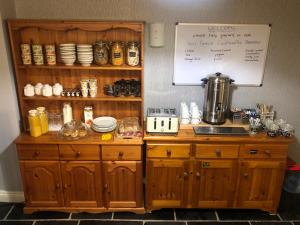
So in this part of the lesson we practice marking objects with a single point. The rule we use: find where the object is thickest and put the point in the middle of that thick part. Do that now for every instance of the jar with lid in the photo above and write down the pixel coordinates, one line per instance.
(133, 54)
(43, 119)
(34, 123)
(88, 115)
(117, 53)
(67, 113)
(101, 53)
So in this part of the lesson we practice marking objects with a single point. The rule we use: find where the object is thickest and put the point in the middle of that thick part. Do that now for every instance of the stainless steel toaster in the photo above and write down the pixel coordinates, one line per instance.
(162, 121)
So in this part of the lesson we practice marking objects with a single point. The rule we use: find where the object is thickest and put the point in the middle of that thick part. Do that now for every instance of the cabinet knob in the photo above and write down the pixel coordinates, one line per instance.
(245, 175)
(105, 186)
(121, 154)
(169, 152)
(267, 152)
(36, 153)
(197, 174)
(218, 152)
(57, 186)
(185, 174)
(65, 186)
(77, 154)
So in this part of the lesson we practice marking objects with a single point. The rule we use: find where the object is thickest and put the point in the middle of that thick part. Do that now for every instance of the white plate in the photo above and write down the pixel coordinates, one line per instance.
(104, 129)
(104, 122)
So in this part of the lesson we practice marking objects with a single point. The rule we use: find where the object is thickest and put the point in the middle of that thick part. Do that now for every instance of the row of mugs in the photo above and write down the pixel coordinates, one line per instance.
(88, 86)
(44, 90)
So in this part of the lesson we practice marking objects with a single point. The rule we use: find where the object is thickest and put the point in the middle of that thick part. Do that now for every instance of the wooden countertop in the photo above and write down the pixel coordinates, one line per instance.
(94, 138)
(185, 135)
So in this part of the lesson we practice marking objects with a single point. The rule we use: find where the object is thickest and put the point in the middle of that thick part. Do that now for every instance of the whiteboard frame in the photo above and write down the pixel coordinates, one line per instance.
(224, 24)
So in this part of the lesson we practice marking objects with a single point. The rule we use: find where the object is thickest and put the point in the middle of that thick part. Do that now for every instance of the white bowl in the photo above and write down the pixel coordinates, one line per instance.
(67, 45)
(84, 46)
(104, 122)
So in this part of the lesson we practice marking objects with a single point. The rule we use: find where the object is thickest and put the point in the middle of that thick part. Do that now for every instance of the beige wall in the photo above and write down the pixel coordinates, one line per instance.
(9, 114)
(282, 72)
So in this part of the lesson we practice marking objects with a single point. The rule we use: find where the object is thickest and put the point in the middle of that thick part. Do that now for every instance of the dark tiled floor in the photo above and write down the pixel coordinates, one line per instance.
(12, 215)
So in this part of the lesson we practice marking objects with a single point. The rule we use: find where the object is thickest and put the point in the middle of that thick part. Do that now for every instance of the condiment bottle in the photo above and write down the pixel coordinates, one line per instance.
(133, 54)
(88, 115)
(34, 123)
(67, 113)
(43, 119)
(117, 54)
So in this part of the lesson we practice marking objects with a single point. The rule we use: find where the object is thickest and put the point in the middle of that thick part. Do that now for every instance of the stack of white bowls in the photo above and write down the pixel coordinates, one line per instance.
(85, 54)
(104, 124)
(68, 53)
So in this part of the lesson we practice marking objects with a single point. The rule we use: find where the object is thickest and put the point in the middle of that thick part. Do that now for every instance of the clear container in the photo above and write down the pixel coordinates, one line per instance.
(34, 123)
(133, 54)
(117, 53)
(88, 115)
(101, 53)
(43, 119)
(67, 112)
(55, 121)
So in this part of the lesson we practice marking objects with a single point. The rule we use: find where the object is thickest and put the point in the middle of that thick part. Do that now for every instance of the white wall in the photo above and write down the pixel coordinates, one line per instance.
(9, 114)
(282, 73)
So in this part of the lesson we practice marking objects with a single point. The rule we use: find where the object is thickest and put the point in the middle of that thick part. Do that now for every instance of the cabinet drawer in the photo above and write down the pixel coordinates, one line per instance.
(79, 152)
(263, 151)
(217, 151)
(38, 152)
(168, 151)
(120, 152)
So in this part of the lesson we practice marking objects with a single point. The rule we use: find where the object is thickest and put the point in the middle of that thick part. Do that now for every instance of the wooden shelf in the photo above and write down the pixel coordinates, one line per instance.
(60, 98)
(79, 67)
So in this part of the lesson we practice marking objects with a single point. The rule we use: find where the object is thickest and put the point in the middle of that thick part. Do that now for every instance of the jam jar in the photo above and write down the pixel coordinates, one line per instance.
(133, 54)
(117, 53)
(101, 53)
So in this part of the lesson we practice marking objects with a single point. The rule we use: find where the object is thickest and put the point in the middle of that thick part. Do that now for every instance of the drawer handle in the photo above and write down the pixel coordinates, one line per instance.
(197, 174)
(169, 152)
(253, 151)
(218, 152)
(267, 152)
(77, 154)
(121, 154)
(36, 153)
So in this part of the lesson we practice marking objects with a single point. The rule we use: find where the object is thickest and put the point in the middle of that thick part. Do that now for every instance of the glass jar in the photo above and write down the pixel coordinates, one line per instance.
(34, 123)
(67, 113)
(101, 53)
(117, 53)
(43, 119)
(133, 54)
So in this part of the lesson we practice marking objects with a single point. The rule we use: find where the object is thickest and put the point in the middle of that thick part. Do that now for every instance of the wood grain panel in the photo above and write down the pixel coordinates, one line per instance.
(216, 151)
(115, 152)
(38, 152)
(79, 152)
(168, 150)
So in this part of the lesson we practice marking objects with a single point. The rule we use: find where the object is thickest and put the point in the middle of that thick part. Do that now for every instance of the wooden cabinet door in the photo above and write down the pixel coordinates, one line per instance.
(167, 183)
(214, 183)
(260, 184)
(82, 184)
(123, 184)
(42, 183)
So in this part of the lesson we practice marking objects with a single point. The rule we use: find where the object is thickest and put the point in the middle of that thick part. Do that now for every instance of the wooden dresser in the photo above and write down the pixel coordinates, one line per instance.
(84, 175)
(189, 171)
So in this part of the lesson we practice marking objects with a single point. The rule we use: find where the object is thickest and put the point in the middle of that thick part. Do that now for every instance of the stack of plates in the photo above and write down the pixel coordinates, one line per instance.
(104, 124)
(85, 54)
(68, 53)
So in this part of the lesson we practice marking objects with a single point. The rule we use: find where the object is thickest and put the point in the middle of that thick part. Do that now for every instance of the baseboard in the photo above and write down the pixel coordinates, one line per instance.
(11, 196)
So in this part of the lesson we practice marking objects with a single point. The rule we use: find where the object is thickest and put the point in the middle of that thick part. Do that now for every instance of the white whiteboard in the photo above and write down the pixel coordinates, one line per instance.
(236, 50)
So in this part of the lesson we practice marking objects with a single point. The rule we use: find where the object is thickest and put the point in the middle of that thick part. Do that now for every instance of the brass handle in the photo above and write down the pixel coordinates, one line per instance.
(197, 174)
(218, 152)
(267, 152)
(121, 154)
(185, 174)
(245, 174)
(36, 153)
(77, 154)
(169, 152)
